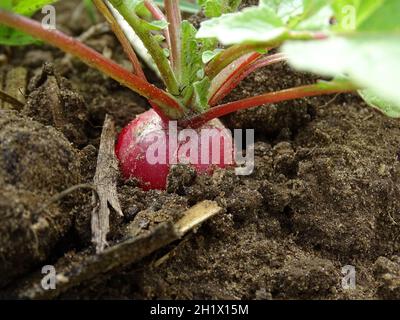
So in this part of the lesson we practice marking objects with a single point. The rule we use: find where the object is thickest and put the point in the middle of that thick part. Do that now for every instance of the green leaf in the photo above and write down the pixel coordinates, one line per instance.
(201, 89)
(271, 20)
(200, 74)
(132, 5)
(385, 18)
(11, 37)
(257, 24)
(159, 37)
(155, 25)
(368, 56)
(350, 14)
(143, 12)
(191, 62)
(316, 15)
(367, 15)
(388, 108)
(29, 7)
(208, 55)
(166, 52)
(369, 61)
(286, 10)
(194, 86)
(302, 14)
(215, 8)
(6, 4)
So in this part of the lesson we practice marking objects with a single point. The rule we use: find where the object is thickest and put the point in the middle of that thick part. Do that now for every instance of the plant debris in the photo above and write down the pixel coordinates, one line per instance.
(105, 183)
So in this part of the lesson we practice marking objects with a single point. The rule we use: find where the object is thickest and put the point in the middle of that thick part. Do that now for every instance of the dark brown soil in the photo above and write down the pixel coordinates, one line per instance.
(325, 192)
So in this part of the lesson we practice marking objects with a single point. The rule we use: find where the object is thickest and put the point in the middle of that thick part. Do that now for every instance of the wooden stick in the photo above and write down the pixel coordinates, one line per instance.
(105, 182)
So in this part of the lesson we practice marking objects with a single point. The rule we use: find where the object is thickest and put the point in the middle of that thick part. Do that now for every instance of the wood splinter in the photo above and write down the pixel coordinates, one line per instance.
(105, 183)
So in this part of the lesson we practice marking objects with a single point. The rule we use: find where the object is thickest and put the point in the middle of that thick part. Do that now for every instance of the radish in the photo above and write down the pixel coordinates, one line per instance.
(196, 72)
(149, 136)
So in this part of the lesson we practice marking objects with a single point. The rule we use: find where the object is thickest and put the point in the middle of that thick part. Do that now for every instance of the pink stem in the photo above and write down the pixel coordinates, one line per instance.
(158, 15)
(226, 57)
(119, 33)
(241, 73)
(174, 18)
(230, 72)
(267, 98)
(92, 58)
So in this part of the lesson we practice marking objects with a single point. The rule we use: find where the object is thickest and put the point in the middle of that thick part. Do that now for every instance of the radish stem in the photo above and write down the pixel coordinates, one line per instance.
(229, 72)
(229, 55)
(150, 43)
(236, 51)
(159, 15)
(167, 103)
(127, 48)
(242, 72)
(119, 33)
(174, 29)
(267, 98)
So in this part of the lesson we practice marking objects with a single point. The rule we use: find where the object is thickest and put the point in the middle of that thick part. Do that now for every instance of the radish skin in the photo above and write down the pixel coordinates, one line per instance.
(138, 140)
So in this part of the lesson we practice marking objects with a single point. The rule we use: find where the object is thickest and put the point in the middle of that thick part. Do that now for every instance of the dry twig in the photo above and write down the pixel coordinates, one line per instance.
(105, 182)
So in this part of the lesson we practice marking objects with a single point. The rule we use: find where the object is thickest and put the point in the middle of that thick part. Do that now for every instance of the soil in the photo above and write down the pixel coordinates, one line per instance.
(324, 193)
